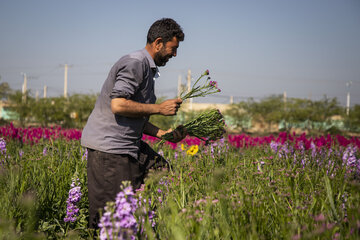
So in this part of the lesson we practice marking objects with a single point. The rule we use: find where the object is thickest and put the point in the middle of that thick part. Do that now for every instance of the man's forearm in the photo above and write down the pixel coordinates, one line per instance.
(152, 130)
(129, 108)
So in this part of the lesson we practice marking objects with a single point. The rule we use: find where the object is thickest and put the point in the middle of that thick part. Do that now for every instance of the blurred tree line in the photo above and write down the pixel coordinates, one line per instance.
(240, 117)
(71, 112)
(325, 115)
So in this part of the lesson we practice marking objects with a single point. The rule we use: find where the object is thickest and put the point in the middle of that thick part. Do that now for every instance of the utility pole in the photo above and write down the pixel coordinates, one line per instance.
(179, 90)
(348, 85)
(66, 67)
(65, 80)
(24, 86)
(284, 100)
(37, 95)
(231, 99)
(45, 90)
(189, 87)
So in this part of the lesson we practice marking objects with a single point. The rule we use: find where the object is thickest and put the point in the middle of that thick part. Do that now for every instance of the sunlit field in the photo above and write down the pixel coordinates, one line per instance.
(241, 187)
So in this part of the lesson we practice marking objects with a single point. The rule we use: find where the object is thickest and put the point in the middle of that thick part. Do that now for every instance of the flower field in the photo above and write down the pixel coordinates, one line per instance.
(241, 187)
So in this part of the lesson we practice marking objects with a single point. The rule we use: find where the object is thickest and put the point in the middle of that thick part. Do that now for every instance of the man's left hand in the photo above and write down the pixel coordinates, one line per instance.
(178, 134)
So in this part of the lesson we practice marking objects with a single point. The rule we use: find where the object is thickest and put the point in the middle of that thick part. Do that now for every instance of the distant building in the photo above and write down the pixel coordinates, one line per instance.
(5, 113)
(203, 106)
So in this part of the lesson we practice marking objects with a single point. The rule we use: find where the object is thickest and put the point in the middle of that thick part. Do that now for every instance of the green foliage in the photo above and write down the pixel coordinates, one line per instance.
(295, 112)
(353, 120)
(303, 113)
(67, 112)
(21, 106)
(252, 194)
(79, 107)
(299, 110)
(239, 116)
(270, 108)
(4, 89)
(34, 188)
(325, 108)
(219, 193)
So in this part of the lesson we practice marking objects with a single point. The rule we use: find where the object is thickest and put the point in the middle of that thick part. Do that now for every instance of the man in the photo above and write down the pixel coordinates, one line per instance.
(114, 129)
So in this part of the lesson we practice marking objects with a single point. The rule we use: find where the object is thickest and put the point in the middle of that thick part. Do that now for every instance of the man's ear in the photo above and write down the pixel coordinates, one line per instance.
(158, 44)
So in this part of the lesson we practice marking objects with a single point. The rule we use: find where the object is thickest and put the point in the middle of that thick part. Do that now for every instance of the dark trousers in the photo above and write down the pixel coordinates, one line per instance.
(107, 171)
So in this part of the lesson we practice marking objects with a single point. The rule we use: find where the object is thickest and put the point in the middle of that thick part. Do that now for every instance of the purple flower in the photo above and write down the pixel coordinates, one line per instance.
(21, 152)
(72, 210)
(349, 157)
(119, 221)
(161, 153)
(2, 146)
(301, 147)
(274, 146)
(45, 151)
(350, 160)
(85, 155)
(213, 83)
(150, 213)
(128, 191)
(313, 149)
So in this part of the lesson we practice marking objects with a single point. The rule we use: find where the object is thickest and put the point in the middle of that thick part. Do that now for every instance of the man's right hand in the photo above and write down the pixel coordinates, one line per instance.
(170, 107)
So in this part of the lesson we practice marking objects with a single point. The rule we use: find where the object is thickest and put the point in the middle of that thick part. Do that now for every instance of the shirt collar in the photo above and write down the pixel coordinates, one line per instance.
(153, 66)
(149, 58)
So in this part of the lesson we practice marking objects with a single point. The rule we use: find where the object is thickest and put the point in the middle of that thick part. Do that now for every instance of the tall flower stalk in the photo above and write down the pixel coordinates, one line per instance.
(118, 221)
(208, 88)
(72, 210)
(2, 150)
(2, 146)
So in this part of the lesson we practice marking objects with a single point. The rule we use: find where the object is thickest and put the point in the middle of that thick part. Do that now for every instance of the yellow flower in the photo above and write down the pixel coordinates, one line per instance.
(183, 148)
(193, 150)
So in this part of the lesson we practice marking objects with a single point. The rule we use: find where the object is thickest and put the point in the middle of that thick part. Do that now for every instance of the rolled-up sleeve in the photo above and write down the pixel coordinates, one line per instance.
(128, 79)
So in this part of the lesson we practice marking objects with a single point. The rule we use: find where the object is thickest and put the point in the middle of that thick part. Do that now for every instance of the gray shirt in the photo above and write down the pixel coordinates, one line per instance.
(132, 77)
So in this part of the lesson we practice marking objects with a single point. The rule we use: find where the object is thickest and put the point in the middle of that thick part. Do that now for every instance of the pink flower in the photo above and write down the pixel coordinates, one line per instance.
(319, 218)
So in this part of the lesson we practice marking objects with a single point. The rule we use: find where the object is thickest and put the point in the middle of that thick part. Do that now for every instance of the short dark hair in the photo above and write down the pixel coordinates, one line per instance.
(165, 28)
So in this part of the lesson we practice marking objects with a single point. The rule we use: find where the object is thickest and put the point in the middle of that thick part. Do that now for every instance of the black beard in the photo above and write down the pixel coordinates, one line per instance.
(160, 59)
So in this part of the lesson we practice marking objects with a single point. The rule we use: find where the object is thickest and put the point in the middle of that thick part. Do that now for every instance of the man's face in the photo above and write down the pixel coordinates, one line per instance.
(166, 52)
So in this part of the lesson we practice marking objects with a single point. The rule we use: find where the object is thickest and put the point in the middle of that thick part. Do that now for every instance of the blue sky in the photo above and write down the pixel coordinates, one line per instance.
(308, 48)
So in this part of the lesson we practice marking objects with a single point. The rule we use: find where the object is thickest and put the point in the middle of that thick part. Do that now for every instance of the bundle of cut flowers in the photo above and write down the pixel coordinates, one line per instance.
(207, 126)
(208, 88)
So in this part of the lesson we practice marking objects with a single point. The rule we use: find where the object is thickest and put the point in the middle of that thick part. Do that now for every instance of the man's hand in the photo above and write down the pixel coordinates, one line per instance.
(169, 107)
(178, 134)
